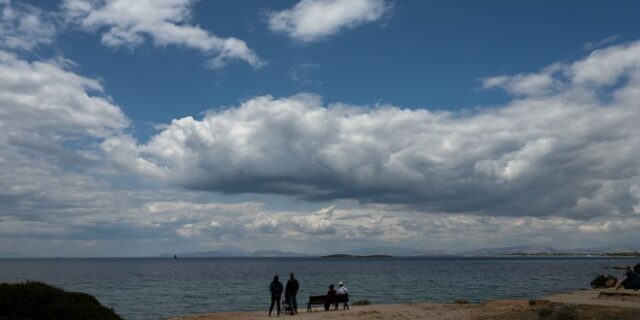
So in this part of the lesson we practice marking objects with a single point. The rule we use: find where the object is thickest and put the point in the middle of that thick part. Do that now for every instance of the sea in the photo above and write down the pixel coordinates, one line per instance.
(159, 288)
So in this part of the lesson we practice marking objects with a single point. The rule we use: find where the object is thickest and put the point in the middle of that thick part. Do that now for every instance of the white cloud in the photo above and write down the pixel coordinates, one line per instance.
(24, 27)
(310, 20)
(602, 68)
(556, 166)
(564, 152)
(590, 46)
(166, 22)
(526, 84)
(45, 97)
(50, 121)
(605, 66)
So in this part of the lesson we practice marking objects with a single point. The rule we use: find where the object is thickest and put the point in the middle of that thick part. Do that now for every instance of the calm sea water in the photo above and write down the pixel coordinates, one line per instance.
(160, 288)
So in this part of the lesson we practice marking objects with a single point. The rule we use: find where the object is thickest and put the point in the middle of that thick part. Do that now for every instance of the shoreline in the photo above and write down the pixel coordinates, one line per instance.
(584, 302)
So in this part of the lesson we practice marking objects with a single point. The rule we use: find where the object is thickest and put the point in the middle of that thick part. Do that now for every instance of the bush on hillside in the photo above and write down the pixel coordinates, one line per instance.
(39, 301)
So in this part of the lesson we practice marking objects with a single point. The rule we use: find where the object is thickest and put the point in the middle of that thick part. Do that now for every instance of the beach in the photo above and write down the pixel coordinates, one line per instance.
(584, 303)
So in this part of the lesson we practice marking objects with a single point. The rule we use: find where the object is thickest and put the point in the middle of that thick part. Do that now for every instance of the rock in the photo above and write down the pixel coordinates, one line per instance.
(602, 281)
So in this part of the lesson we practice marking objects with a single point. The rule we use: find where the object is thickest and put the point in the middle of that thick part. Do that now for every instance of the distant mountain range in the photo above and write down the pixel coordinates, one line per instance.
(276, 253)
(201, 254)
(548, 251)
(351, 256)
(399, 252)
(222, 254)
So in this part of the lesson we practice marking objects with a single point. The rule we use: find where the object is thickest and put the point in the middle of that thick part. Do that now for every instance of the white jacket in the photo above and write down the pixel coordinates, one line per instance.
(342, 290)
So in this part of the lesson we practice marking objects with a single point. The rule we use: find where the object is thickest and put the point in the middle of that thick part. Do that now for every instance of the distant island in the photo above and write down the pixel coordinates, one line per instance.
(630, 254)
(352, 256)
(537, 251)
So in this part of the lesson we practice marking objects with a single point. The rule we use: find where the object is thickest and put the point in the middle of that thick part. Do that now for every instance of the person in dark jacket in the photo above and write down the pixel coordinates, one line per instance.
(276, 293)
(331, 296)
(631, 280)
(290, 292)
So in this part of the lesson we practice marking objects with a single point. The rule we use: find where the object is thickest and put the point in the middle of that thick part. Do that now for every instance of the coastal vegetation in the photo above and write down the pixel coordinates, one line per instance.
(361, 303)
(40, 301)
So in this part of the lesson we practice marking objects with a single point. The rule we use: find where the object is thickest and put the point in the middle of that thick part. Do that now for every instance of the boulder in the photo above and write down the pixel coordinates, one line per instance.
(602, 281)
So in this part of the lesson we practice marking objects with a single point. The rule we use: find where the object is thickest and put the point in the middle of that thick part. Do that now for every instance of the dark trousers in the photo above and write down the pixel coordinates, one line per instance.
(293, 302)
(276, 300)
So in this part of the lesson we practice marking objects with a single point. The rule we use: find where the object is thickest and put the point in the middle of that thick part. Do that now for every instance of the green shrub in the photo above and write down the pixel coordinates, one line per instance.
(566, 312)
(361, 303)
(39, 301)
(545, 312)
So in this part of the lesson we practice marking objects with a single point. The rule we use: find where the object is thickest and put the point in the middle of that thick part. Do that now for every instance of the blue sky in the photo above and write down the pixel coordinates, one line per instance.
(419, 55)
(186, 125)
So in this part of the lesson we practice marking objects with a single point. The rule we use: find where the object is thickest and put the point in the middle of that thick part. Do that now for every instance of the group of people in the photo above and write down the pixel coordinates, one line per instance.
(332, 293)
(290, 294)
(291, 291)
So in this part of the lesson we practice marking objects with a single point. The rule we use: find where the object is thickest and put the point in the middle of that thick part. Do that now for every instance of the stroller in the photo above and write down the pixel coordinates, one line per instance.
(287, 305)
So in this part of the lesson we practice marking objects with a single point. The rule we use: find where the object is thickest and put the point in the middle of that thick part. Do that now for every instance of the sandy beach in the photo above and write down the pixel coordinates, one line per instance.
(586, 304)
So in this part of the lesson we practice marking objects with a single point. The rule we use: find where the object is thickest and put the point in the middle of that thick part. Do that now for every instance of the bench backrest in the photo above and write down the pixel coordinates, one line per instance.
(323, 299)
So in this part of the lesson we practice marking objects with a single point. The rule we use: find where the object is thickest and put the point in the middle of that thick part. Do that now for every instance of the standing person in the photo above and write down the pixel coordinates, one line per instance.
(331, 296)
(631, 280)
(276, 293)
(291, 290)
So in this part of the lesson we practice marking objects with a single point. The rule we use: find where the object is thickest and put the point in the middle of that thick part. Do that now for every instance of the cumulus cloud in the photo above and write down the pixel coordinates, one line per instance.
(24, 27)
(50, 121)
(298, 225)
(45, 97)
(602, 68)
(566, 151)
(531, 84)
(311, 20)
(606, 66)
(127, 23)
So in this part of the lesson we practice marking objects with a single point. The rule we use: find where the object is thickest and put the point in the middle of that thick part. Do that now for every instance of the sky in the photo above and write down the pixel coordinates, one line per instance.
(135, 128)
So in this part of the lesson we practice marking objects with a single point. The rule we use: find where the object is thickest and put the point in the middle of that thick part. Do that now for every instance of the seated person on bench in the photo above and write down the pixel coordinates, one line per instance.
(631, 280)
(331, 296)
(342, 290)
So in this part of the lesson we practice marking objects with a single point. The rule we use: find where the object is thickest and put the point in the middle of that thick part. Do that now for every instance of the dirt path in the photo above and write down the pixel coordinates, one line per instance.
(627, 298)
(586, 303)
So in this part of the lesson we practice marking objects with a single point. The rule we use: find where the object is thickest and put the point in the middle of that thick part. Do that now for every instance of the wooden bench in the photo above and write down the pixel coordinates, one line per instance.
(322, 300)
